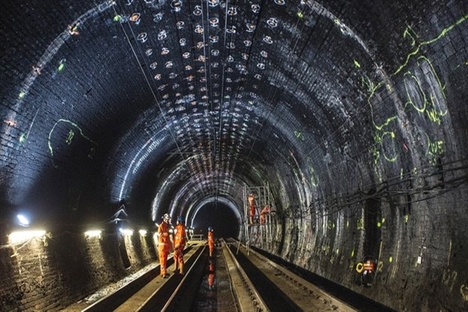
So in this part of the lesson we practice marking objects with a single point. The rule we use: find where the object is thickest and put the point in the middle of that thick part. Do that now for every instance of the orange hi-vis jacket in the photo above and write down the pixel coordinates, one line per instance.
(252, 204)
(211, 240)
(368, 266)
(164, 238)
(251, 200)
(263, 213)
(179, 237)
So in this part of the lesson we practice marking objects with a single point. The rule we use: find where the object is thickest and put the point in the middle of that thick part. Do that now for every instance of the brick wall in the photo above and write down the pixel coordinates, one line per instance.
(51, 272)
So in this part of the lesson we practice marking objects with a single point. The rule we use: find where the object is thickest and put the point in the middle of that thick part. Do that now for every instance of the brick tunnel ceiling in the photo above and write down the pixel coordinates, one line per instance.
(170, 103)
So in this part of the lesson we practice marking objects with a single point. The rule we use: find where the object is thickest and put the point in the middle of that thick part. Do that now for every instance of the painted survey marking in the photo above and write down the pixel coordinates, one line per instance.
(73, 130)
(449, 277)
(73, 29)
(135, 18)
(314, 180)
(409, 33)
(61, 65)
(434, 149)
(428, 102)
(10, 122)
(385, 147)
(37, 68)
(299, 135)
(464, 292)
(142, 37)
(360, 224)
(380, 266)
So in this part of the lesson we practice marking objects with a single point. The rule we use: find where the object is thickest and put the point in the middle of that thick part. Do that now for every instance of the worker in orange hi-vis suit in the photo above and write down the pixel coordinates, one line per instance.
(180, 239)
(165, 244)
(211, 240)
(263, 213)
(252, 207)
(368, 266)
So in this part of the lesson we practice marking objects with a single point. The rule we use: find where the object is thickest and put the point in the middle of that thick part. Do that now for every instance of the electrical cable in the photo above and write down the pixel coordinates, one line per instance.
(145, 76)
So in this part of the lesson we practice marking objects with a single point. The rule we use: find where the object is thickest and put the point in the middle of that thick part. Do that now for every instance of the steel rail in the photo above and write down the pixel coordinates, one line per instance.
(246, 293)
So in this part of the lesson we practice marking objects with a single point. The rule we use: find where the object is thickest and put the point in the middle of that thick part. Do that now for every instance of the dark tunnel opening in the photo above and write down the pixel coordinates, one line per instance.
(220, 217)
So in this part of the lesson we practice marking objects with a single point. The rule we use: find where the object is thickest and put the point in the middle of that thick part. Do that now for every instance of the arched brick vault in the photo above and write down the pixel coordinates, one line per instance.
(354, 113)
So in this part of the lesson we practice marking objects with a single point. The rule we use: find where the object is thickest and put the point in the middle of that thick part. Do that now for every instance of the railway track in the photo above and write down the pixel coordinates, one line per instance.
(152, 293)
(282, 290)
(235, 279)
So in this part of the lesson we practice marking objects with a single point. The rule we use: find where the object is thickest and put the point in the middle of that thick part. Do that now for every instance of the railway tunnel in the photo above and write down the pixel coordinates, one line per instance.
(352, 114)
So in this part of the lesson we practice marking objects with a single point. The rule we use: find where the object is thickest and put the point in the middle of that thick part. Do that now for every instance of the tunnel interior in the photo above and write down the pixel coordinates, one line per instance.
(350, 114)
